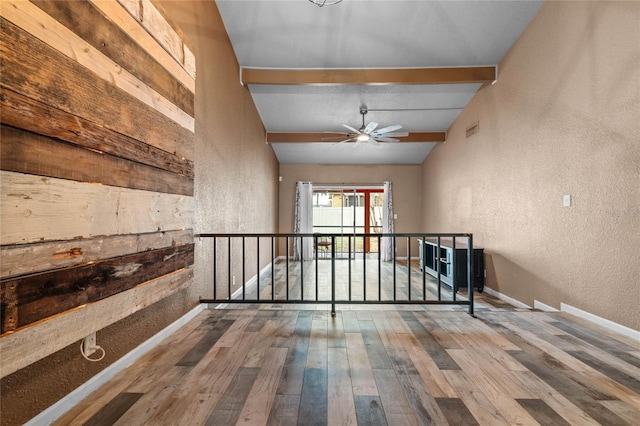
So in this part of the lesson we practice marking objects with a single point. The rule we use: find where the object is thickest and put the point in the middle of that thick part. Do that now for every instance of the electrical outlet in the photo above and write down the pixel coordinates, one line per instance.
(89, 344)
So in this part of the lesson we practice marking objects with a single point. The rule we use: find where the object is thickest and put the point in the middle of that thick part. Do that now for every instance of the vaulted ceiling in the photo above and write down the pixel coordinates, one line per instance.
(414, 63)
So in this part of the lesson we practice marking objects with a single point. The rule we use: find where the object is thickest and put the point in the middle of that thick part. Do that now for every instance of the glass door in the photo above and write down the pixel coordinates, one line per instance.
(348, 212)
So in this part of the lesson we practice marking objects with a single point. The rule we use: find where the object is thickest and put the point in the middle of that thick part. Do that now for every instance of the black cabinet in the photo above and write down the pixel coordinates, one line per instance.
(452, 263)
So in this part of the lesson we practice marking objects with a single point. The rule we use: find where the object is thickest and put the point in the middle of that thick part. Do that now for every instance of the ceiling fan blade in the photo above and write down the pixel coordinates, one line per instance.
(373, 142)
(392, 140)
(388, 129)
(352, 129)
(396, 135)
(370, 127)
(344, 141)
(358, 142)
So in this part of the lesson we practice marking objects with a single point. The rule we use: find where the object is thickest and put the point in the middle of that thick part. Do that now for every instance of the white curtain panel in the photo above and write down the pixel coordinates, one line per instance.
(387, 223)
(303, 221)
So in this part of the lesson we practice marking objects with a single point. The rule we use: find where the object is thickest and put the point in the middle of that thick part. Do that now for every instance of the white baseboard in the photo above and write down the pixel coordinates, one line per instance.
(543, 307)
(54, 412)
(603, 322)
(248, 286)
(509, 300)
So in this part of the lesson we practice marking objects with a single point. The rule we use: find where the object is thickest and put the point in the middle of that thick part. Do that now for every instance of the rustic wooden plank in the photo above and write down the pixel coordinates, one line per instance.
(432, 376)
(92, 26)
(362, 379)
(476, 402)
(195, 355)
(375, 349)
(25, 259)
(369, 410)
(456, 412)
(293, 370)
(562, 381)
(542, 412)
(501, 398)
(145, 12)
(313, 401)
(284, 411)
(439, 355)
(45, 294)
(27, 152)
(77, 91)
(116, 13)
(8, 306)
(147, 405)
(397, 409)
(341, 409)
(31, 204)
(30, 344)
(317, 350)
(114, 409)
(39, 24)
(19, 111)
(613, 373)
(261, 397)
(228, 410)
(419, 399)
(554, 399)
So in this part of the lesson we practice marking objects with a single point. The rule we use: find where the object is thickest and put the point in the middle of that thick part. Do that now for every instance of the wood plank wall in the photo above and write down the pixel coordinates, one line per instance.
(97, 130)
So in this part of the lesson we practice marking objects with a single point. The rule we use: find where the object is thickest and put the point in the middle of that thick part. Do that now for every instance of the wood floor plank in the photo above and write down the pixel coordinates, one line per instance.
(335, 332)
(293, 371)
(396, 407)
(558, 379)
(341, 408)
(439, 355)
(554, 399)
(313, 401)
(456, 412)
(613, 373)
(503, 401)
(369, 411)
(375, 349)
(114, 409)
(420, 400)
(260, 399)
(205, 344)
(551, 372)
(360, 370)
(427, 368)
(284, 411)
(231, 404)
(542, 412)
(473, 398)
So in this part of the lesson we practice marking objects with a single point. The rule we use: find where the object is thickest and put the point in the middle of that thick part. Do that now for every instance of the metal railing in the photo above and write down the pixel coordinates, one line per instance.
(358, 278)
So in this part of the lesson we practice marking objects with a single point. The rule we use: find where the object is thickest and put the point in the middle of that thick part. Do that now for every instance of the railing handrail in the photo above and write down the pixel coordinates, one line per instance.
(324, 234)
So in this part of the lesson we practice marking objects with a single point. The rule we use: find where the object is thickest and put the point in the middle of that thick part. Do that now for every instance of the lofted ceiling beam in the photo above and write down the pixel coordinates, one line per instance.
(333, 137)
(455, 75)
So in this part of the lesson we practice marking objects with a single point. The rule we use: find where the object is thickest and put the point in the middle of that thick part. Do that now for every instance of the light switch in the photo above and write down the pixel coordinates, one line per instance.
(566, 201)
(395, 215)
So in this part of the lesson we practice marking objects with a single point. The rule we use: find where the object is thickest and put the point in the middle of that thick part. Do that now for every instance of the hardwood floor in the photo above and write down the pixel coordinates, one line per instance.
(395, 365)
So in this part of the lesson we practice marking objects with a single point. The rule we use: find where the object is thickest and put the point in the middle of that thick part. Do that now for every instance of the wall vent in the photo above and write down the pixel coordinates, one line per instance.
(473, 129)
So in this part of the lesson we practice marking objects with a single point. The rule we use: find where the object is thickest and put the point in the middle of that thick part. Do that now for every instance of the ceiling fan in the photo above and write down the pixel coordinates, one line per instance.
(369, 133)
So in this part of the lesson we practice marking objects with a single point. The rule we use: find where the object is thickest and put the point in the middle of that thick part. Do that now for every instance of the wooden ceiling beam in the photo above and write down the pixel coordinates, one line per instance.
(456, 75)
(333, 137)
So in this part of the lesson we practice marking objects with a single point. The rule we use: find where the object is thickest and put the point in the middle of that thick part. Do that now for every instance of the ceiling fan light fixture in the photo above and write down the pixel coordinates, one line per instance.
(363, 137)
(321, 3)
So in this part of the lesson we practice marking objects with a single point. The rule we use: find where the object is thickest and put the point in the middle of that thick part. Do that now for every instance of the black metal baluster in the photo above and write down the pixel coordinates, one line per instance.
(454, 284)
(287, 266)
(316, 244)
(379, 269)
(439, 265)
(229, 269)
(301, 270)
(333, 276)
(243, 267)
(215, 272)
(424, 270)
(258, 268)
(409, 267)
(470, 274)
(393, 248)
(273, 265)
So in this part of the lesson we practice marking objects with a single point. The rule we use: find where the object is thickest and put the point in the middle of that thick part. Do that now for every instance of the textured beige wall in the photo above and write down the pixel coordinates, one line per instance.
(236, 190)
(236, 184)
(563, 118)
(406, 190)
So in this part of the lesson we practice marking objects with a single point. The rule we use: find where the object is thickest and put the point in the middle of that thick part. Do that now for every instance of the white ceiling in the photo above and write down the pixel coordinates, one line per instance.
(295, 34)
